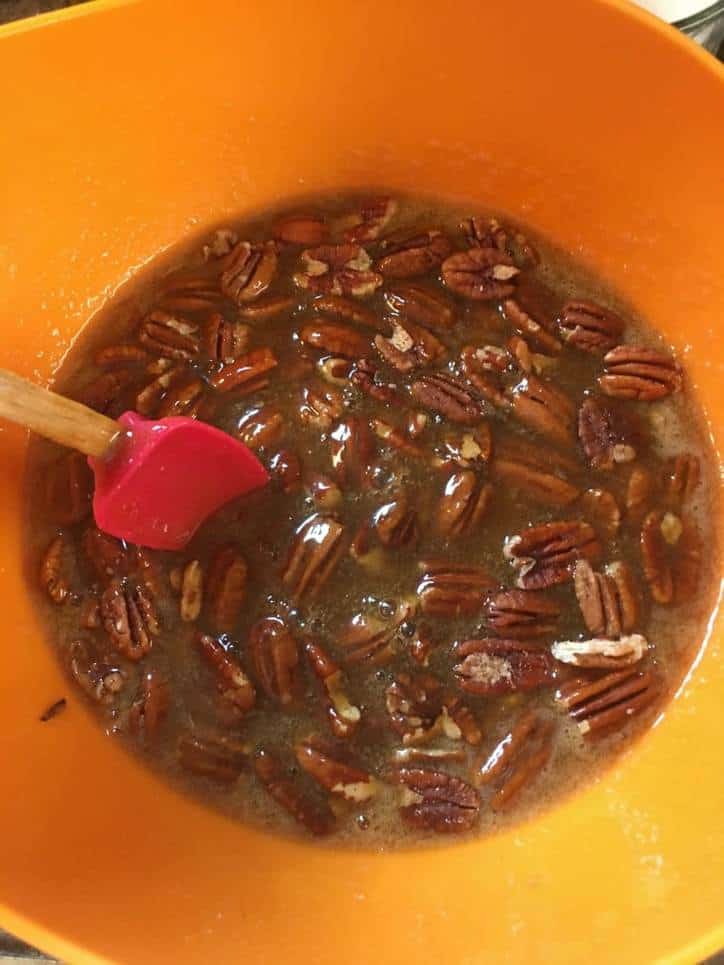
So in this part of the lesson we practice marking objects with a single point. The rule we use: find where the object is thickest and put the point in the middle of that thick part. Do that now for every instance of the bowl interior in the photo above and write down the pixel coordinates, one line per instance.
(135, 124)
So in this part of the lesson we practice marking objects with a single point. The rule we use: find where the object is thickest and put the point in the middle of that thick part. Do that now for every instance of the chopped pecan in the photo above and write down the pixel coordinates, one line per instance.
(481, 274)
(124, 354)
(472, 448)
(534, 331)
(315, 551)
(248, 271)
(247, 374)
(609, 600)
(275, 656)
(603, 435)
(173, 338)
(217, 758)
(320, 408)
(463, 504)
(411, 254)
(150, 708)
(490, 666)
(517, 759)
(348, 311)
(599, 506)
(335, 775)
(101, 681)
(338, 270)
(448, 397)
(490, 233)
(608, 702)
(435, 801)
(314, 816)
(370, 639)
(522, 614)
(266, 308)
(601, 653)
(421, 305)
(396, 523)
(544, 555)
(226, 588)
(235, 689)
(544, 408)
(409, 346)
(192, 591)
(352, 448)
(636, 372)
(371, 219)
(683, 475)
(671, 552)
(225, 341)
(335, 339)
(414, 704)
(590, 327)
(261, 426)
(129, 618)
(544, 487)
(301, 229)
(69, 488)
(343, 715)
(452, 589)
(53, 578)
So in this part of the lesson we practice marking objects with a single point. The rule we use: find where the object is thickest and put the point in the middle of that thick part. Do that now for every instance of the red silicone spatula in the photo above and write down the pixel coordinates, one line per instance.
(155, 481)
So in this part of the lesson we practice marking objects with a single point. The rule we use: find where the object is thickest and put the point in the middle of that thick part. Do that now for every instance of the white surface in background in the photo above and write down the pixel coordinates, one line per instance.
(673, 10)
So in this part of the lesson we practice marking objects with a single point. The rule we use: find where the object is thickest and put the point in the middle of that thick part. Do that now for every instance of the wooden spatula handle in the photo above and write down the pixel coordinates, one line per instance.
(55, 417)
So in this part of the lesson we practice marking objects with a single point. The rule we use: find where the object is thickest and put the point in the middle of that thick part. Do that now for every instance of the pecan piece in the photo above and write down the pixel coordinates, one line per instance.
(472, 448)
(601, 653)
(671, 553)
(434, 801)
(275, 656)
(301, 229)
(235, 689)
(532, 330)
(448, 397)
(124, 354)
(216, 758)
(192, 591)
(463, 504)
(52, 576)
(184, 294)
(421, 305)
(609, 600)
(544, 555)
(338, 270)
(324, 491)
(413, 254)
(315, 551)
(261, 427)
(348, 311)
(452, 589)
(343, 715)
(150, 708)
(409, 346)
(352, 448)
(636, 372)
(458, 721)
(129, 618)
(335, 339)
(105, 393)
(603, 435)
(608, 702)
(590, 327)
(266, 308)
(285, 470)
(222, 241)
(371, 219)
(522, 614)
(396, 523)
(314, 816)
(491, 666)
(517, 759)
(601, 508)
(364, 375)
(639, 492)
(544, 408)
(247, 374)
(335, 775)
(105, 553)
(225, 341)
(320, 408)
(544, 487)
(414, 705)
(172, 338)
(226, 588)
(482, 274)
(186, 399)
(683, 475)
(397, 438)
(373, 640)
(69, 488)
(248, 271)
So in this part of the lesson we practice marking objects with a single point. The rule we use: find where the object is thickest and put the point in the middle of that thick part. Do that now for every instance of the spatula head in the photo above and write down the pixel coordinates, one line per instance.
(166, 477)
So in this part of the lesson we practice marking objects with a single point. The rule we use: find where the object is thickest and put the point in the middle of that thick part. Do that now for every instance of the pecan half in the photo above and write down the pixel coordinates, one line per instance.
(187, 399)
(226, 588)
(371, 219)
(683, 476)
(396, 523)
(636, 372)
(544, 555)
(601, 653)
(421, 305)
(225, 341)
(343, 716)
(517, 759)
(266, 308)
(482, 274)
(369, 639)
(414, 704)
(452, 589)
(69, 488)
(448, 397)
(435, 801)
(106, 393)
(392, 436)
(352, 448)
(105, 553)
(605, 437)
(189, 294)
(338, 270)
(335, 339)
(608, 702)
(544, 408)
(150, 708)
(173, 338)
(248, 271)
(313, 815)
(533, 331)
(261, 426)
(123, 354)
(492, 666)
(609, 600)
(458, 721)
(216, 758)
(192, 591)
(484, 368)
(275, 655)
(247, 374)
(671, 553)
(463, 504)
(100, 680)
(590, 327)
(409, 346)
(599, 506)
(53, 578)
(315, 551)
(129, 618)
(348, 311)
(235, 689)
(335, 775)
(490, 233)
(301, 229)
(544, 487)
(413, 254)
(320, 408)
(365, 377)
(522, 614)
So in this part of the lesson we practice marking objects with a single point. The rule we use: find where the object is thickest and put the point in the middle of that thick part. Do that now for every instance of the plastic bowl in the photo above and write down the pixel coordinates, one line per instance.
(125, 127)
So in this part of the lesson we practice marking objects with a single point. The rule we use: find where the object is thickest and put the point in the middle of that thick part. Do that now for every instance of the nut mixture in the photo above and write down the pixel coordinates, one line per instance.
(479, 565)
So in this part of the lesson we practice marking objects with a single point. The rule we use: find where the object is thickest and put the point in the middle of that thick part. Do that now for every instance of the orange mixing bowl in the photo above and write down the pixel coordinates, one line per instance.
(126, 126)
